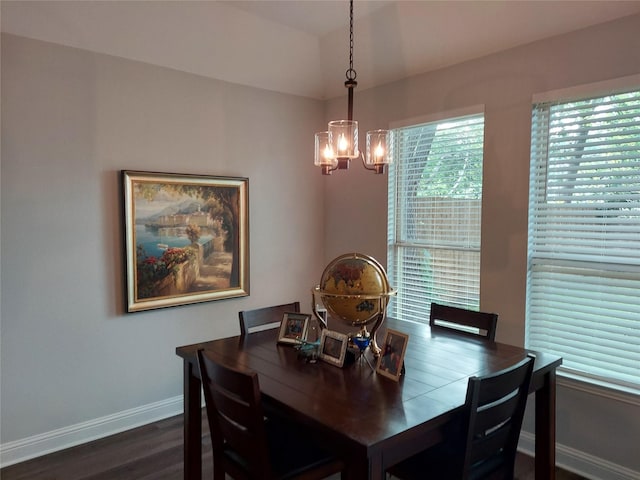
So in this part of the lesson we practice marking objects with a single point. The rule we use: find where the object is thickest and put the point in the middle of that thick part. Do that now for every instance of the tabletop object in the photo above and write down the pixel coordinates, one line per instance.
(355, 290)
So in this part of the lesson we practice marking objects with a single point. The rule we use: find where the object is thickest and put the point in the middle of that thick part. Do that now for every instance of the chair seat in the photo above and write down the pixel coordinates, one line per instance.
(443, 463)
(290, 454)
(438, 462)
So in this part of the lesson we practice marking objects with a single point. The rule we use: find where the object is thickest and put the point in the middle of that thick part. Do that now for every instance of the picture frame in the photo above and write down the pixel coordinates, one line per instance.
(333, 347)
(186, 238)
(391, 360)
(294, 327)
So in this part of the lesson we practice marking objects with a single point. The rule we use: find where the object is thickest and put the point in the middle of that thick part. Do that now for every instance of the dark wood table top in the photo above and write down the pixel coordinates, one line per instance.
(374, 420)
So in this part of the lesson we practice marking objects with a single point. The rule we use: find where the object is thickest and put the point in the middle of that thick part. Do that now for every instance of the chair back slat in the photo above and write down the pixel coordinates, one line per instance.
(266, 317)
(489, 449)
(495, 407)
(495, 415)
(454, 318)
(496, 387)
(235, 415)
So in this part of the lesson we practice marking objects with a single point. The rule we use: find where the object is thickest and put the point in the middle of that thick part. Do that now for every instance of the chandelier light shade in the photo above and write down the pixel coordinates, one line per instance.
(343, 137)
(379, 150)
(335, 148)
(324, 156)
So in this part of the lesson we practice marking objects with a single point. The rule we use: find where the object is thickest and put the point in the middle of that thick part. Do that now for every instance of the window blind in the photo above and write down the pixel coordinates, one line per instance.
(584, 237)
(435, 195)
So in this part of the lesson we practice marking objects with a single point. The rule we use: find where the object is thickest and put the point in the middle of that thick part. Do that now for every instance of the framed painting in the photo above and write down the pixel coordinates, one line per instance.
(391, 361)
(333, 347)
(293, 328)
(186, 238)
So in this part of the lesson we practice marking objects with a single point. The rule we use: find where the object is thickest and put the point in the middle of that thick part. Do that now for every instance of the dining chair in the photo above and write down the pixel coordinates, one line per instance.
(245, 444)
(266, 317)
(482, 443)
(464, 321)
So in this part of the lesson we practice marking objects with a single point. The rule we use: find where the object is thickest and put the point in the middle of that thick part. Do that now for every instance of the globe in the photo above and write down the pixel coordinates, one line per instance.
(355, 290)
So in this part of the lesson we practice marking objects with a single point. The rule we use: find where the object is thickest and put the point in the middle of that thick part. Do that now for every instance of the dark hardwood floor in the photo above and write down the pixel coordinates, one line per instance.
(150, 452)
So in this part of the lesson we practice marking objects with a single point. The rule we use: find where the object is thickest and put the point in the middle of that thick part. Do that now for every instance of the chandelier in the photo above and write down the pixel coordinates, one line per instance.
(335, 148)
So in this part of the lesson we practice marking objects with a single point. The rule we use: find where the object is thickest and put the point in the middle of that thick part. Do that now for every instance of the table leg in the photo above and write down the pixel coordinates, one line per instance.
(376, 472)
(192, 424)
(545, 460)
(366, 469)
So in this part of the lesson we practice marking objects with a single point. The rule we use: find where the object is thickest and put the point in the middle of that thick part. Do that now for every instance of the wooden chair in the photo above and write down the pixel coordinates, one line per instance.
(483, 443)
(245, 444)
(455, 318)
(267, 317)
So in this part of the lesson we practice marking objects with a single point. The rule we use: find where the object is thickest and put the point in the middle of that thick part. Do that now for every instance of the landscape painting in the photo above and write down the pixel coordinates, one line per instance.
(186, 238)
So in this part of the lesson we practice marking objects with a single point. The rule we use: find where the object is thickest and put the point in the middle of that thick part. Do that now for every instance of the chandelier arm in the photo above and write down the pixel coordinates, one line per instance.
(327, 169)
(377, 168)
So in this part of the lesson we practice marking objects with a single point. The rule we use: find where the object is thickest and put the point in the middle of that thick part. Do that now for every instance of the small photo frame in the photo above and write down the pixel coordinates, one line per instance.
(391, 360)
(333, 347)
(293, 327)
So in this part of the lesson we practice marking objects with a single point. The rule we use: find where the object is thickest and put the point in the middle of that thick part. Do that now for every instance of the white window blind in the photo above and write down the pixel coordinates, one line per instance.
(583, 284)
(435, 196)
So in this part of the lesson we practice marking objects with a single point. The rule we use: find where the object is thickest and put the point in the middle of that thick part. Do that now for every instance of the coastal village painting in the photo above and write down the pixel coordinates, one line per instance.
(186, 238)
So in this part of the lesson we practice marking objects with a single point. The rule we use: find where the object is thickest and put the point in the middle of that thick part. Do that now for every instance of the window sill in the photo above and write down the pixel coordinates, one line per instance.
(588, 385)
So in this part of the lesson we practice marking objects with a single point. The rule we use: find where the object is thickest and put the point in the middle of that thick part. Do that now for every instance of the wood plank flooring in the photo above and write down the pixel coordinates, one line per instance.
(150, 452)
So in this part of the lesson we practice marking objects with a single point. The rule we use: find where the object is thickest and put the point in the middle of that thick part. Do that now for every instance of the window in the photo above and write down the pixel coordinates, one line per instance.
(435, 195)
(583, 284)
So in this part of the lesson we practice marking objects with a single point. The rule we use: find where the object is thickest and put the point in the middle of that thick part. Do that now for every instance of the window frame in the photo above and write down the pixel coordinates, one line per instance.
(395, 240)
(573, 375)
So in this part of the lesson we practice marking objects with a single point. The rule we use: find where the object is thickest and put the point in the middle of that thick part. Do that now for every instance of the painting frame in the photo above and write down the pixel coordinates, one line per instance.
(391, 360)
(333, 347)
(294, 327)
(186, 238)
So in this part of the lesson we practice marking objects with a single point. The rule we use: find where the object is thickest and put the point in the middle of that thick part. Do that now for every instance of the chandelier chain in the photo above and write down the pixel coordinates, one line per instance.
(351, 73)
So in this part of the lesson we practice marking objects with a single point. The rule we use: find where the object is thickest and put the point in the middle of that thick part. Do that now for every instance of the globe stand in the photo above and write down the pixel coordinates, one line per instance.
(375, 349)
(362, 341)
(320, 312)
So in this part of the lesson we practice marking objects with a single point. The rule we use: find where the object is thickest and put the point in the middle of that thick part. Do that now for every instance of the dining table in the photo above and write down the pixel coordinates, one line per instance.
(372, 421)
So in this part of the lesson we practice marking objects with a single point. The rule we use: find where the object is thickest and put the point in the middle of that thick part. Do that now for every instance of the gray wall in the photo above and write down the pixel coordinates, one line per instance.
(595, 426)
(71, 120)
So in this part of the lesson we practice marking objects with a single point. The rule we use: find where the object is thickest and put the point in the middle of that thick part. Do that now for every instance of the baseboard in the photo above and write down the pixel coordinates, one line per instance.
(583, 464)
(48, 442)
(588, 466)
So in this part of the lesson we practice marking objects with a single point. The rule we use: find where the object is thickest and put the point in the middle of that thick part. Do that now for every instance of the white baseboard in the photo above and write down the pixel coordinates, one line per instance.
(579, 462)
(18, 451)
(48, 442)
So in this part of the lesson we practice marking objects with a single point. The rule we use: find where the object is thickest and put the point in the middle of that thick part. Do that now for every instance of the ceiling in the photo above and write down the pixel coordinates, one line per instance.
(301, 47)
